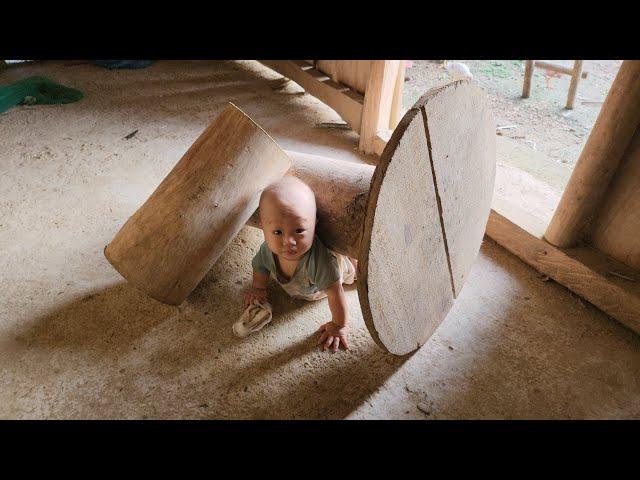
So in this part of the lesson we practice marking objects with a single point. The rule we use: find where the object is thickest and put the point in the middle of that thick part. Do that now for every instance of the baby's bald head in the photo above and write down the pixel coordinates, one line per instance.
(289, 196)
(288, 217)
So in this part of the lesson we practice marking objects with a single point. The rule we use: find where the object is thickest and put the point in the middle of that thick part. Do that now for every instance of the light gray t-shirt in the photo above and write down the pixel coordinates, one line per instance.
(316, 271)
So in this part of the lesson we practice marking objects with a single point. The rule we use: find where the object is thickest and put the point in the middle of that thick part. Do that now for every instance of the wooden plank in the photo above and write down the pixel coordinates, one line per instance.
(356, 73)
(378, 98)
(352, 73)
(616, 228)
(585, 271)
(599, 159)
(462, 146)
(348, 104)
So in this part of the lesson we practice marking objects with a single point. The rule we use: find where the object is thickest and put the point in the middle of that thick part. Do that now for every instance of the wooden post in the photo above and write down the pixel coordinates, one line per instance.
(376, 109)
(610, 136)
(528, 74)
(396, 104)
(573, 86)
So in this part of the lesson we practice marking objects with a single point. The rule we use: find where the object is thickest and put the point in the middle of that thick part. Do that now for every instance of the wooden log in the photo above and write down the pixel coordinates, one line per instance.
(341, 190)
(610, 136)
(616, 227)
(559, 68)
(573, 86)
(176, 236)
(528, 75)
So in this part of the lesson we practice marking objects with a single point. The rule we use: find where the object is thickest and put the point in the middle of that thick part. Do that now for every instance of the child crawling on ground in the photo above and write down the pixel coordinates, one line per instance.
(294, 256)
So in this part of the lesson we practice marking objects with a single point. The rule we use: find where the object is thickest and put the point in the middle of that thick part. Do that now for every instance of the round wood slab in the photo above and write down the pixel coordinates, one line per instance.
(426, 214)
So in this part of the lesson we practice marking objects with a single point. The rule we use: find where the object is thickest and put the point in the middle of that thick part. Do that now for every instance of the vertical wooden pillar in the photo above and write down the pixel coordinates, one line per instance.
(378, 98)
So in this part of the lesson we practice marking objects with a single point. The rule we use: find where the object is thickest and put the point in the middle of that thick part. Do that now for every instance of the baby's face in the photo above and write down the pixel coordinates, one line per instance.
(288, 228)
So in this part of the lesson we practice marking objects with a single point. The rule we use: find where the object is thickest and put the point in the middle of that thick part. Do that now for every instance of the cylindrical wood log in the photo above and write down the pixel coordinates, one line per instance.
(176, 236)
(341, 190)
(599, 159)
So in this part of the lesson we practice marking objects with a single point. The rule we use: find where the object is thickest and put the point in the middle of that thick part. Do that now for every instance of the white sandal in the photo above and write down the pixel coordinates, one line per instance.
(256, 316)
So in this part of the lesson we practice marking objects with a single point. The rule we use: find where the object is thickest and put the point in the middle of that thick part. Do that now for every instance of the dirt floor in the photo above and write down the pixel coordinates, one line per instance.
(76, 341)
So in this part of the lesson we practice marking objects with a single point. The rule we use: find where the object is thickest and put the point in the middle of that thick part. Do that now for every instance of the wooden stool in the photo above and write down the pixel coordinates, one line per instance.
(576, 73)
(415, 222)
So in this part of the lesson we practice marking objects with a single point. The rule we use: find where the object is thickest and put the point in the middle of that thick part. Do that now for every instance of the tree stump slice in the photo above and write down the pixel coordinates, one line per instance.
(428, 206)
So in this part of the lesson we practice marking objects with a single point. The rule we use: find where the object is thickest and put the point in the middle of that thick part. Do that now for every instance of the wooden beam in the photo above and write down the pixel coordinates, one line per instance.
(609, 285)
(346, 102)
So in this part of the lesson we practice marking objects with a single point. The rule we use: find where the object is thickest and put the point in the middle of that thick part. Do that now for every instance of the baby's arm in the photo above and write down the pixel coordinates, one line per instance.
(258, 288)
(334, 332)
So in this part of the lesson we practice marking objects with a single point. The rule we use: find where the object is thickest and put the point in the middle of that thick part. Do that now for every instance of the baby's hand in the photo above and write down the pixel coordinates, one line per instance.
(259, 294)
(332, 333)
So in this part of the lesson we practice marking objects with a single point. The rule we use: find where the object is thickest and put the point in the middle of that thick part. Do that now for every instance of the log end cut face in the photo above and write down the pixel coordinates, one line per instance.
(426, 214)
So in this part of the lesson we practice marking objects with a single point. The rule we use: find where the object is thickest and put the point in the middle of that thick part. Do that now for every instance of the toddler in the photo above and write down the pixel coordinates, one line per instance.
(295, 257)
